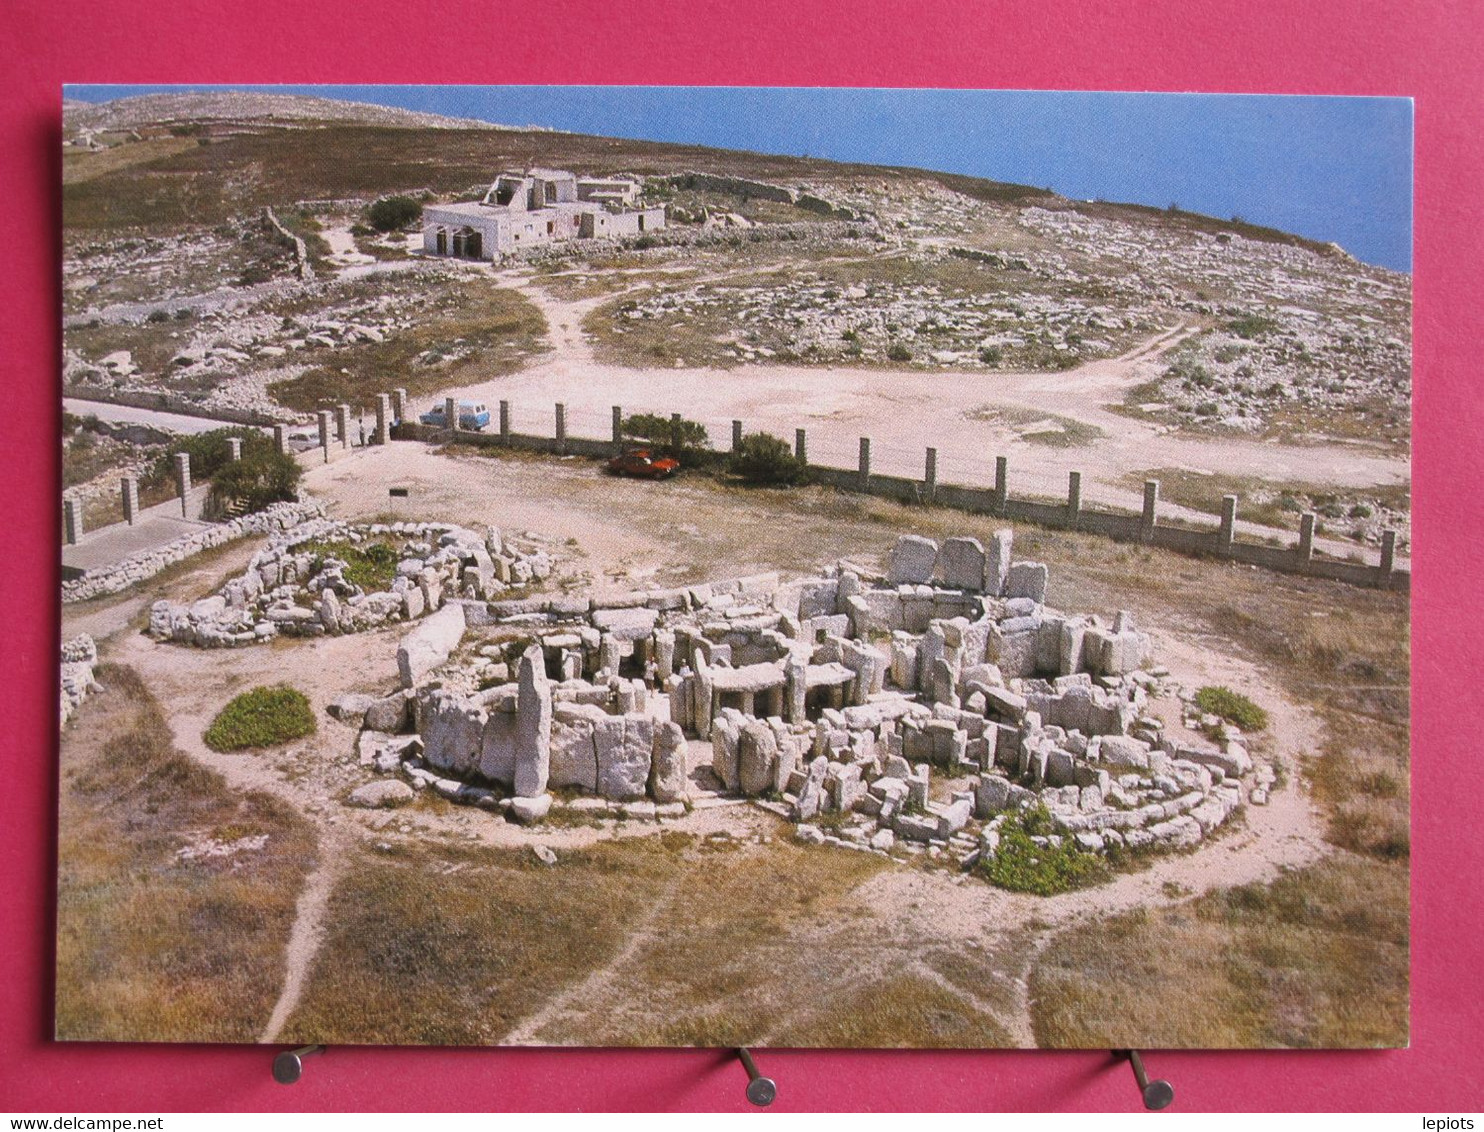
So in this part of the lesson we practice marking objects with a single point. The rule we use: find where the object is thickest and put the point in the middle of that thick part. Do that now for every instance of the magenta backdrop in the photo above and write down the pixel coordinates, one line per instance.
(1429, 49)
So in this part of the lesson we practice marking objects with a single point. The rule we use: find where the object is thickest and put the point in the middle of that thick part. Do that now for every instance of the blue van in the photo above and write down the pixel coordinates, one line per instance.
(472, 415)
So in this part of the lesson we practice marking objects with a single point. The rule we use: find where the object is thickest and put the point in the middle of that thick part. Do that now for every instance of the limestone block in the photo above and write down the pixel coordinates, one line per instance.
(350, 708)
(991, 793)
(963, 561)
(452, 730)
(626, 624)
(430, 644)
(385, 793)
(1122, 751)
(757, 753)
(667, 771)
(388, 714)
(574, 759)
(532, 722)
(1017, 652)
(527, 811)
(997, 561)
(725, 733)
(1027, 579)
(912, 560)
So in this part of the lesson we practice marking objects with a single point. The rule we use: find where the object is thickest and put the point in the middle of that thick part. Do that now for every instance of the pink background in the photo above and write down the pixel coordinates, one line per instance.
(1430, 50)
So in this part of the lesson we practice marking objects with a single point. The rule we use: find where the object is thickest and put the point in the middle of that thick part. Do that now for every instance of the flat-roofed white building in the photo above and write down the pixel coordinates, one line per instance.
(536, 207)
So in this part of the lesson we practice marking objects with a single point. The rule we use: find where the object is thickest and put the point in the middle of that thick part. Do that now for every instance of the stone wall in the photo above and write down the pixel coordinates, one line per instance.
(122, 575)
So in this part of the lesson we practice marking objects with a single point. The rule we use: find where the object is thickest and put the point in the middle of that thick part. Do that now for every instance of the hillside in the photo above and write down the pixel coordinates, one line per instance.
(853, 265)
(242, 106)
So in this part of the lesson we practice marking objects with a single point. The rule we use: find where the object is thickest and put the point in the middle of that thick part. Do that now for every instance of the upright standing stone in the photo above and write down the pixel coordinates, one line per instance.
(183, 479)
(963, 564)
(667, 770)
(130, 488)
(532, 725)
(72, 520)
(912, 561)
(383, 419)
(997, 561)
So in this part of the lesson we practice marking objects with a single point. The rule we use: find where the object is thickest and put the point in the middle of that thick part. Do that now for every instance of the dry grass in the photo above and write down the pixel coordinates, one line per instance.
(151, 946)
(488, 330)
(1317, 959)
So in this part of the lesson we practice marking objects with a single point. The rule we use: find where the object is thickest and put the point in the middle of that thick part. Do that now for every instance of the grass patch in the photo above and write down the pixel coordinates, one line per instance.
(263, 717)
(1021, 865)
(1045, 429)
(1232, 707)
(152, 946)
(1317, 959)
(370, 565)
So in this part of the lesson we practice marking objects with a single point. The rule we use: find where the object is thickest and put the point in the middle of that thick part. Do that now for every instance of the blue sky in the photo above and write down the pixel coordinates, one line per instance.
(1328, 168)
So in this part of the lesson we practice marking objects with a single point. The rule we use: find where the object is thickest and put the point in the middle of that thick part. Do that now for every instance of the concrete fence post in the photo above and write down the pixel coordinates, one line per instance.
(1227, 532)
(675, 445)
(736, 435)
(342, 425)
(234, 448)
(399, 405)
(324, 433)
(129, 488)
(451, 414)
(183, 479)
(561, 429)
(1388, 558)
(930, 474)
(281, 439)
(617, 426)
(1001, 483)
(505, 422)
(1074, 498)
(1306, 538)
(72, 521)
(383, 418)
(1151, 506)
(801, 446)
(864, 464)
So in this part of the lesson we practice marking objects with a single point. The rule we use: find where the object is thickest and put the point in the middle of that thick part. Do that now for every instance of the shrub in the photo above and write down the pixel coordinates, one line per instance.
(263, 717)
(684, 438)
(1020, 865)
(370, 565)
(261, 478)
(990, 355)
(391, 214)
(1231, 706)
(1252, 326)
(763, 458)
(209, 453)
(1361, 511)
(897, 352)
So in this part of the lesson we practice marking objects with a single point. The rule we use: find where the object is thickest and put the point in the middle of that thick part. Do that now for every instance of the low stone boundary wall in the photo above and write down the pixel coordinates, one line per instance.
(122, 575)
(163, 402)
(1296, 558)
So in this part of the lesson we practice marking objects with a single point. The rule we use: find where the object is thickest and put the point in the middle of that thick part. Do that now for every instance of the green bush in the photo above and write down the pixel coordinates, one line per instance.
(262, 477)
(263, 717)
(897, 352)
(1231, 706)
(683, 438)
(1020, 865)
(392, 214)
(763, 458)
(209, 453)
(1252, 326)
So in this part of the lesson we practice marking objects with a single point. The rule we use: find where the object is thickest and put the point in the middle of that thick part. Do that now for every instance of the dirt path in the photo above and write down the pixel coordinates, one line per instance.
(307, 934)
(839, 404)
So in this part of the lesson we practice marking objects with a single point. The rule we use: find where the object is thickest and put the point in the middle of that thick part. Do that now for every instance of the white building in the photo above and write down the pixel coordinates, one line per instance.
(538, 206)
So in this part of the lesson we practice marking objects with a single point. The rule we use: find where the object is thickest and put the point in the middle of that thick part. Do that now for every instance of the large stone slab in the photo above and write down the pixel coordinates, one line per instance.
(452, 729)
(574, 759)
(912, 560)
(963, 561)
(626, 624)
(532, 724)
(667, 770)
(1027, 579)
(430, 644)
(757, 754)
(997, 561)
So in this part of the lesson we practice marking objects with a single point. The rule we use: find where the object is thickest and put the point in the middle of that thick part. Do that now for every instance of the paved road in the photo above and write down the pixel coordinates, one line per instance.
(154, 418)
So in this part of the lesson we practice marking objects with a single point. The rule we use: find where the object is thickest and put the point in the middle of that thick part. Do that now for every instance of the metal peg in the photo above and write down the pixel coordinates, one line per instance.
(1156, 1094)
(761, 1090)
(288, 1066)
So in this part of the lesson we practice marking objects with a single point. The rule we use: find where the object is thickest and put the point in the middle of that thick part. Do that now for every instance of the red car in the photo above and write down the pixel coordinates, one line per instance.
(642, 464)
